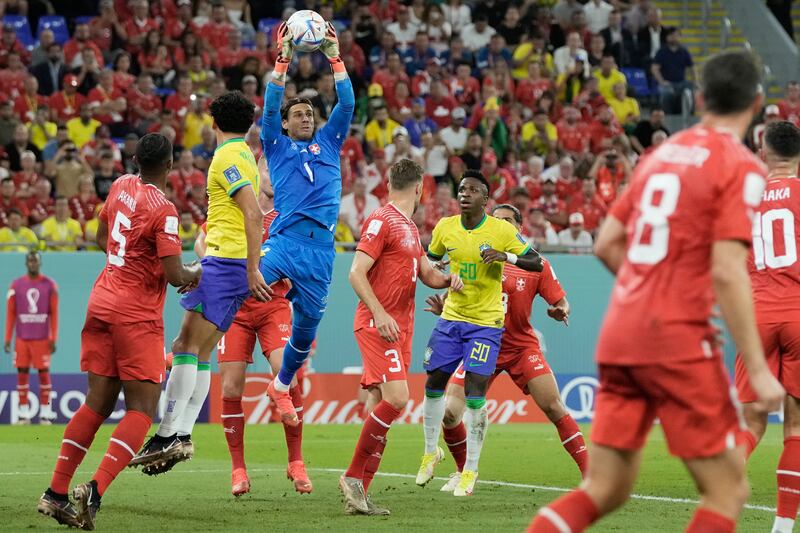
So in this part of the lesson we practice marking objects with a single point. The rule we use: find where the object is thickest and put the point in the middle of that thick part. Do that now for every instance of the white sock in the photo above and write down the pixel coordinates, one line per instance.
(46, 411)
(432, 417)
(280, 385)
(477, 423)
(186, 422)
(180, 387)
(782, 525)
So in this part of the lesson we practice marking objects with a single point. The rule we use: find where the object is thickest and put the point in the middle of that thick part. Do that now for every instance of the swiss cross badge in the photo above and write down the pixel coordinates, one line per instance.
(314, 149)
(520, 284)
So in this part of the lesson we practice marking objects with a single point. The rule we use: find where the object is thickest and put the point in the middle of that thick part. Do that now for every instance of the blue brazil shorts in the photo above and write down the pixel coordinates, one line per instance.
(454, 342)
(222, 291)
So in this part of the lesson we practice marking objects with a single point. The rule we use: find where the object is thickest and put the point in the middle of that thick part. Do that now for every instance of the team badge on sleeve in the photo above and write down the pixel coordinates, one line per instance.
(232, 174)
(171, 225)
(374, 226)
(314, 149)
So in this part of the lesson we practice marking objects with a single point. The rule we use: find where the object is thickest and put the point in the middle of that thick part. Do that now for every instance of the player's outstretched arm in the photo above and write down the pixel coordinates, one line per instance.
(273, 95)
(386, 325)
(185, 277)
(435, 278)
(338, 124)
(732, 287)
(245, 198)
(610, 244)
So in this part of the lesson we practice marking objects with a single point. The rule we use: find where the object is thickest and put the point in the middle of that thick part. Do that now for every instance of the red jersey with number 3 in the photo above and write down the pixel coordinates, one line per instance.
(142, 228)
(774, 269)
(701, 186)
(392, 240)
(519, 289)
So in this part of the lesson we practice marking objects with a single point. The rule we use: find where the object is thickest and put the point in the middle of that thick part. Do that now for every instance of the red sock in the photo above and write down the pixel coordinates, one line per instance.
(706, 521)
(572, 440)
(294, 435)
(789, 479)
(573, 512)
(126, 439)
(748, 442)
(233, 425)
(372, 439)
(23, 386)
(78, 437)
(372, 464)
(45, 387)
(456, 439)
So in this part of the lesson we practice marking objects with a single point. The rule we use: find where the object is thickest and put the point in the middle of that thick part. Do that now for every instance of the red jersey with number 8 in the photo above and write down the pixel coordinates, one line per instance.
(700, 186)
(774, 269)
(142, 228)
(392, 240)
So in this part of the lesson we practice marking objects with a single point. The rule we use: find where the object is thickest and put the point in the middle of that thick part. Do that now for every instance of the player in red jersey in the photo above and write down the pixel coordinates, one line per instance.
(32, 310)
(676, 238)
(775, 276)
(520, 356)
(122, 342)
(388, 260)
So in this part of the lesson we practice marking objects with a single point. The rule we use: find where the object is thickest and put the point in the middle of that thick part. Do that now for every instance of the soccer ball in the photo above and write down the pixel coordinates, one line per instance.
(308, 30)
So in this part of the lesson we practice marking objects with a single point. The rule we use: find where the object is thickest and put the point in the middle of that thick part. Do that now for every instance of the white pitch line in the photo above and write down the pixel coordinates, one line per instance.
(546, 488)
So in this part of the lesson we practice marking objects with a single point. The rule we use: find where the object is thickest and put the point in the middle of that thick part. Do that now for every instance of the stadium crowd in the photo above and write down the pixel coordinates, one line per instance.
(530, 92)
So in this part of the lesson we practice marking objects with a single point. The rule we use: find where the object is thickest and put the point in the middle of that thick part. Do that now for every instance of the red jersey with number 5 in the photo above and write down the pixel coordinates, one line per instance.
(700, 186)
(142, 228)
(774, 269)
(519, 289)
(392, 240)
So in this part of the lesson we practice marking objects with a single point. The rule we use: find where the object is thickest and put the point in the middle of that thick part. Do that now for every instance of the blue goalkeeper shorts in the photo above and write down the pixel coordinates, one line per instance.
(453, 342)
(307, 263)
(222, 290)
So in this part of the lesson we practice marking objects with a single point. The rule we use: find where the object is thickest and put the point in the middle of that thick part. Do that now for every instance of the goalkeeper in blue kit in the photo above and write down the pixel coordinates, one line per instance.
(307, 181)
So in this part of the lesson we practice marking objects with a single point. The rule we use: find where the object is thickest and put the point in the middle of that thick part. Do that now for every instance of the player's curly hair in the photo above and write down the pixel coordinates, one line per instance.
(514, 210)
(782, 138)
(233, 112)
(293, 102)
(153, 153)
(478, 175)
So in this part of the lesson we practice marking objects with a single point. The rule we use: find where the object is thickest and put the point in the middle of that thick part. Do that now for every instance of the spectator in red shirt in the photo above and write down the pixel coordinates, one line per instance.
(144, 107)
(9, 200)
(9, 43)
(216, 30)
(439, 104)
(353, 157)
(186, 176)
(106, 30)
(251, 91)
(65, 104)
(232, 53)
(521, 199)
(590, 205)
(123, 79)
(554, 208)
(154, 58)
(609, 171)
(27, 177)
(603, 130)
(568, 185)
(790, 106)
(423, 79)
(108, 104)
(180, 101)
(82, 205)
(573, 135)
(175, 27)
(390, 76)
(41, 205)
(439, 205)
(136, 27)
(349, 49)
(530, 90)
(463, 86)
(12, 78)
(102, 142)
(197, 203)
(532, 179)
(501, 182)
(190, 46)
(81, 39)
(29, 101)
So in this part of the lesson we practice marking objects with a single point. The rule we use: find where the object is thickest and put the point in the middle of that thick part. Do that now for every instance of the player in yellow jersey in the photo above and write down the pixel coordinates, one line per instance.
(230, 275)
(471, 325)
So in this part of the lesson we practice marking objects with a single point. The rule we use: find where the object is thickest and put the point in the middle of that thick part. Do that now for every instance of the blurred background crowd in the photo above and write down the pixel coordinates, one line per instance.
(555, 101)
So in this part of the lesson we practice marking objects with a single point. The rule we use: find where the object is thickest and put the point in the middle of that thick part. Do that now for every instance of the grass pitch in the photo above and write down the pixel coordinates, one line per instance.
(522, 468)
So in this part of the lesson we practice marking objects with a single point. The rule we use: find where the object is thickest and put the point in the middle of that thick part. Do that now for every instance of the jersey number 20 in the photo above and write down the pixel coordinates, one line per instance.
(764, 239)
(655, 218)
(120, 221)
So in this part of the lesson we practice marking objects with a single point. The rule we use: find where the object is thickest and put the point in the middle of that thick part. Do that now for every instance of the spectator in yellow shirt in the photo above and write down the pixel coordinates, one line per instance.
(187, 231)
(42, 130)
(378, 132)
(81, 128)
(539, 135)
(625, 108)
(608, 75)
(90, 230)
(530, 51)
(15, 237)
(195, 119)
(61, 233)
(344, 235)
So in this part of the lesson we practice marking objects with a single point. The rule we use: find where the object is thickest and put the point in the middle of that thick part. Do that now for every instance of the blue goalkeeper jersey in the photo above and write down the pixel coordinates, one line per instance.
(306, 175)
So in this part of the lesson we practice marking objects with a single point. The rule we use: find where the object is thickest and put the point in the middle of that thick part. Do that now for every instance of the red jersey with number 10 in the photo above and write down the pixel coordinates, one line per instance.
(142, 228)
(392, 240)
(774, 269)
(519, 289)
(701, 186)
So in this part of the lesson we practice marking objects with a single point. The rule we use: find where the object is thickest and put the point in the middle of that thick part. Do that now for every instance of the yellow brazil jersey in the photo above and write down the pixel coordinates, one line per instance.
(480, 301)
(232, 168)
(67, 231)
(22, 240)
